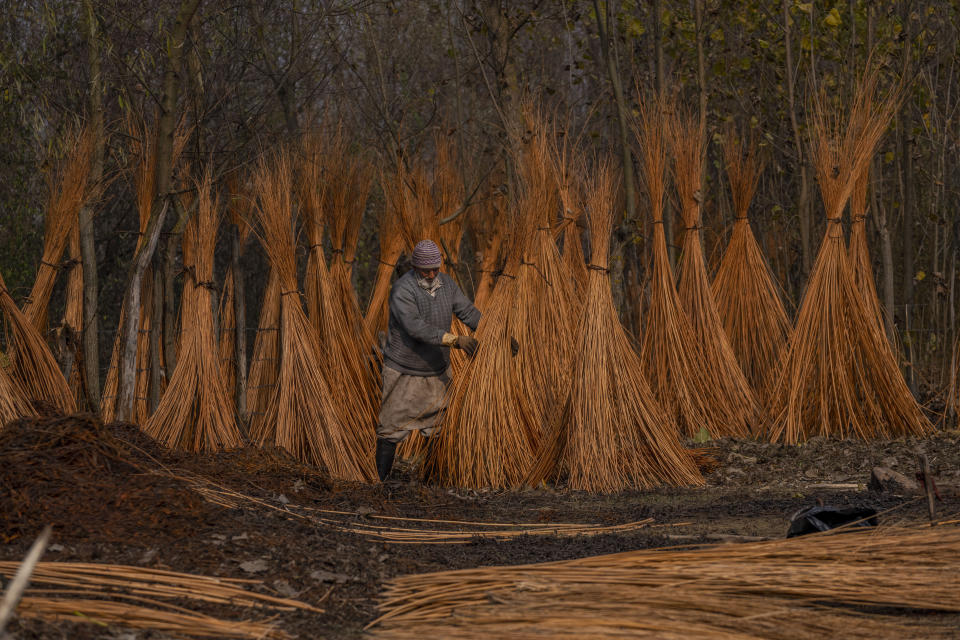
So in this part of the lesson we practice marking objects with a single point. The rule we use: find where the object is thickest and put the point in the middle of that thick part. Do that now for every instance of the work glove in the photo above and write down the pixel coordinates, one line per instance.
(467, 343)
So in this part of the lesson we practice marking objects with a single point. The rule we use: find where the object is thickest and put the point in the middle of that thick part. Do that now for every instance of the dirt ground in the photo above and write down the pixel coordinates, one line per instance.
(113, 496)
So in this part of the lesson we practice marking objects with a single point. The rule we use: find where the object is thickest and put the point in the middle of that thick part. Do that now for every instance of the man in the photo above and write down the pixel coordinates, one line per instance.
(417, 353)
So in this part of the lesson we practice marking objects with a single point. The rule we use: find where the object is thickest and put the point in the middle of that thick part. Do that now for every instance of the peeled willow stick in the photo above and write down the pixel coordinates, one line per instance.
(301, 414)
(546, 305)
(610, 434)
(265, 361)
(838, 377)
(32, 366)
(331, 310)
(391, 246)
(196, 412)
(859, 252)
(487, 226)
(483, 440)
(238, 210)
(734, 405)
(671, 355)
(802, 588)
(747, 296)
(69, 191)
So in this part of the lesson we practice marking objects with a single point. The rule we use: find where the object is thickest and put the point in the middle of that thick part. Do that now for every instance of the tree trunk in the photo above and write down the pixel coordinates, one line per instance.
(161, 205)
(804, 203)
(170, 328)
(88, 250)
(661, 81)
(240, 327)
(156, 326)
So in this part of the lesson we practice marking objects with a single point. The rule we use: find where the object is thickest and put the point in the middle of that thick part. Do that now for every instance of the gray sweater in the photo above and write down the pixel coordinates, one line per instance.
(418, 322)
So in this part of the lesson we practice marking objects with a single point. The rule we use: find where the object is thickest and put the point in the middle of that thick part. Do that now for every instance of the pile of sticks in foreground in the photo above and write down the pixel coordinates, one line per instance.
(807, 587)
(144, 598)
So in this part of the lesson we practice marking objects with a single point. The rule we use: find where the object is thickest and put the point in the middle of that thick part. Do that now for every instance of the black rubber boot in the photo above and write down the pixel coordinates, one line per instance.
(385, 452)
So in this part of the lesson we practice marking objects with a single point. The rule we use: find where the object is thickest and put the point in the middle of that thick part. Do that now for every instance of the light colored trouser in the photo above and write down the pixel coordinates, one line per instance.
(410, 402)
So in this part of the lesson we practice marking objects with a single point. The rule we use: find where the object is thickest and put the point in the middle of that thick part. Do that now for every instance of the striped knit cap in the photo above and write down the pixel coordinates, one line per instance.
(426, 255)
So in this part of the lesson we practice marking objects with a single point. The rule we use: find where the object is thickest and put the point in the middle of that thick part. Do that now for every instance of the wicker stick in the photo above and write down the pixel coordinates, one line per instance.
(756, 590)
(838, 377)
(265, 362)
(735, 405)
(69, 191)
(611, 434)
(196, 413)
(546, 302)
(672, 359)
(301, 412)
(747, 296)
(32, 367)
(482, 440)
(331, 303)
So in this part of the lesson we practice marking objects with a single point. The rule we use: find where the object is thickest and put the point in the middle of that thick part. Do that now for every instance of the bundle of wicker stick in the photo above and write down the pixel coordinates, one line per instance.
(838, 376)
(747, 296)
(733, 405)
(806, 587)
(141, 598)
(670, 353)
(546, 303)
(197, 412)
(69, 191)
(301, 415)
(611, 433)
(483, 439)
(33, 368)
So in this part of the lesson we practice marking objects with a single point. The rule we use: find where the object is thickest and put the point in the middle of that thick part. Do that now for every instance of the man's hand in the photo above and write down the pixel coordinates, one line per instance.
(466, 343)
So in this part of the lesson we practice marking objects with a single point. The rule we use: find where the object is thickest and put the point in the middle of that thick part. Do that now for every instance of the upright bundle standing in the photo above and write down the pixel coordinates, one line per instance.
(734, 405)
(611, 434)
(748, 298)
(68, 193)
(230, 332)
(859, 253)
(331, 303)
(265, 359)
(671, 355)
(838, 377)
(391, 246)
(302, 415)
(32, 367)
(487, 224)
(483, 440)
(546, 305)
(196, 412)
(71, 330)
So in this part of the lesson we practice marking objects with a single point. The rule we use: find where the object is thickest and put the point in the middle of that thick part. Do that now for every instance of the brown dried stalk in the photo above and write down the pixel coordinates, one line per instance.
(546, 304)
(331, 302)
(747, 296)
(483, 440)
(69, 191)
(32, 366)
(672, 359)
(238, 210)
(611, 434)
(302, 413)
(859, 253)
(487, 222)
(838, 377)
(773, 589)
(265, 361)
(735, 406)
(391, 246)
(196, 412)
